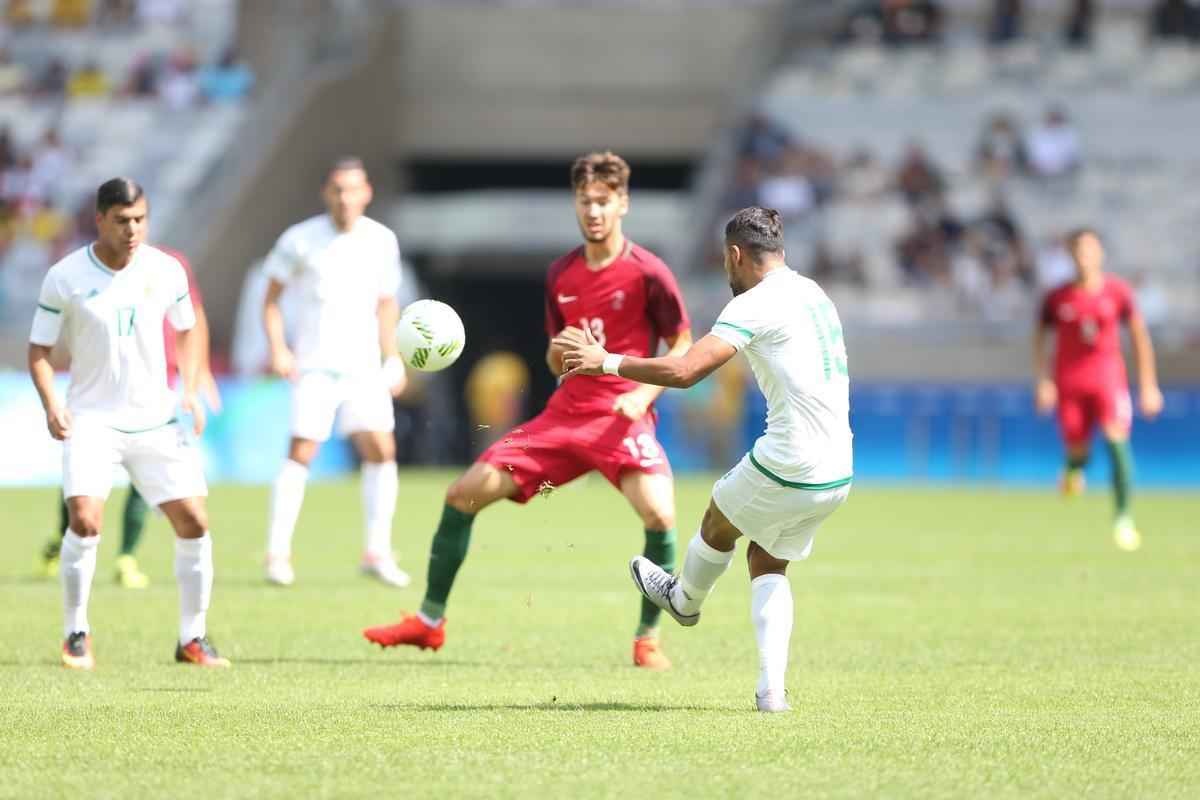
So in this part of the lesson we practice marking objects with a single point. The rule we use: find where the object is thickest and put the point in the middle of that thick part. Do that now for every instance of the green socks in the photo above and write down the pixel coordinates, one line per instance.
(660, 548)
(446, 555)
(1122, 475)
(133, 522)
(1076, 462)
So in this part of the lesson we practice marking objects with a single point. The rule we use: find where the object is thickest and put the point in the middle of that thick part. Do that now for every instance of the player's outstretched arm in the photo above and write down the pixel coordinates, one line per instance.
(193, 351)
(1045, 392)
(1150, 396)
(584, 356)
(58, 419)
(282, 362)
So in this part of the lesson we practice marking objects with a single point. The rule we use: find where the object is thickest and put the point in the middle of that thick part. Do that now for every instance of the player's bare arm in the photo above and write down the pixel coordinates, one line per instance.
(393, 368)
(207, 384)
(1150, 397)
(633, 405)
(1045, 392)
(193, 350)
(584, 356)
(283, 363)
(58, 418)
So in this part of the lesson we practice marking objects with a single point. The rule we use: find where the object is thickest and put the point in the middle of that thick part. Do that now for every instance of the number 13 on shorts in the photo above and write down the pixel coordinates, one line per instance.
(644, 448)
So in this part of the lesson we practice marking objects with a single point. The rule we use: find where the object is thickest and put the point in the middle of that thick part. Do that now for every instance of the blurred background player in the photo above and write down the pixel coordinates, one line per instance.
(133, 515)
(346, 268)
(1089, 385)
(795, 475)
(108, 301)
(626, 296)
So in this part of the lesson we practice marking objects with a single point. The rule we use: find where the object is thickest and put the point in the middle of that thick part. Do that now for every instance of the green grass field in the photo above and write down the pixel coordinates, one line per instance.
(947, 644)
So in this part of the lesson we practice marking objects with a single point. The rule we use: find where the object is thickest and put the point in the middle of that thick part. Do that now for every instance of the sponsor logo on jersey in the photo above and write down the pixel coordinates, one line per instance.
(618, 300)
(567, 298)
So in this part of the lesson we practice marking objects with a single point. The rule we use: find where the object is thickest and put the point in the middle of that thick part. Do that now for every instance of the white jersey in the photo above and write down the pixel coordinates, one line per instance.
(792, 337)
(111, 323)
(341, 278)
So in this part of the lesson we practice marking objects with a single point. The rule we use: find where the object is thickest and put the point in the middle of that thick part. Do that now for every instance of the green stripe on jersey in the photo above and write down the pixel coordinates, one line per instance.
(45, 307)
(171, 421)
(185, 294)
(811, 487)
(96, 262)
(742, 331)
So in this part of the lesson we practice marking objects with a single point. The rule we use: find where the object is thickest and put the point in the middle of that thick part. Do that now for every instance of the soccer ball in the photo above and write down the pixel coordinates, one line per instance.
(430, 335)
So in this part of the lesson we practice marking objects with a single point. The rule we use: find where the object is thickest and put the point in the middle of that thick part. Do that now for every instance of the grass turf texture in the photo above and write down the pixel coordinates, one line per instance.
(947, 644)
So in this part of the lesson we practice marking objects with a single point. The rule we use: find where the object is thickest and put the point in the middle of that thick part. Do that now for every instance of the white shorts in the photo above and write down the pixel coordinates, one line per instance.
(365, 404)
(162, 462)
(780, 519)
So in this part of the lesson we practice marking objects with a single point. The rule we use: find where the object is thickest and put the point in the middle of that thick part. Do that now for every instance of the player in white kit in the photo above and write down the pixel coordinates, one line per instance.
(797, 473)
(107, 303)
(346, 268)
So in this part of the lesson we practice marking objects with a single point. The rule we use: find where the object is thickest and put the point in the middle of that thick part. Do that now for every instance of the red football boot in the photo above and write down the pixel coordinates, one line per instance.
(648, 655)
(410, 630)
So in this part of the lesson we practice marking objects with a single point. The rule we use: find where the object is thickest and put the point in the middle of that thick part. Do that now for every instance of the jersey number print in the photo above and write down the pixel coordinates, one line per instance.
(829, 336)
(596, 326)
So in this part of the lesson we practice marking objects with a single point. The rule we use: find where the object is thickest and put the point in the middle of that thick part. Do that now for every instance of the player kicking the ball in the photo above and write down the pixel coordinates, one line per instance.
(1089, 386)
(622, 294)
(108, 302)
(346, 268)
(797, 473)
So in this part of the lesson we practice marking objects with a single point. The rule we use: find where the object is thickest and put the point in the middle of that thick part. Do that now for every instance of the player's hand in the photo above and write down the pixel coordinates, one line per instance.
(58, 422)
(283, 363)
(632, 405)
(192, 405)
(1046, 396)
(582, 354)
(394, 375)
(1151, 401)
(211, 392)
(554, 357)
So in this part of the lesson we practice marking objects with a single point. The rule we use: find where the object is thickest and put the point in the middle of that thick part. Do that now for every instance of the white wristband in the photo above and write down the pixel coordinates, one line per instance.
(612, 363)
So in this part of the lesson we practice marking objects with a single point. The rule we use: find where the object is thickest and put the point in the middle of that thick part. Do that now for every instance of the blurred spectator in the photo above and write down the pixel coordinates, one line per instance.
(746, 181)
(160, 12)
(51, 164)
(894, 22)
(1006, 21)
(863, 176)
(71, 13)
(53, 80)
(15, 181)
(1152, 301)
(115, 12)
(228, 80)
(13, 76)
(826, 267)
(996, 242)
(917, 178)
(764, 140)
(1053, 147)
(1176, 19)
(926, 251)
(1078, 30)
(1054, 264)
(89, 81)
(143, 77)
(8, 152)
(788, 190)
(178, 87)
(1001, 153)
(20, 13)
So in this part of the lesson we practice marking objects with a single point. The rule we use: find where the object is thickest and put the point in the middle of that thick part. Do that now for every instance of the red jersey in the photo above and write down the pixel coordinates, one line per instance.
(1087, 329)
(168, 330)
(628, 306)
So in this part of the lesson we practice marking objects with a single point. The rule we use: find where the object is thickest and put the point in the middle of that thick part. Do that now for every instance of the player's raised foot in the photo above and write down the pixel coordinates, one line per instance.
(128, 574)
(656, 584)
(199, 651)
(1126, 535)
(46, 564)
(411, 630)
(384, 569)
(279, 570)
(648, 655)
(77, 652)
(771, 702)
(1072, 483)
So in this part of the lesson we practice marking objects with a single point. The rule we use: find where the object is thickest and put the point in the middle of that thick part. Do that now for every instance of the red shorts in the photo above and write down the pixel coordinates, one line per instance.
(1081, 410)
(555, 448)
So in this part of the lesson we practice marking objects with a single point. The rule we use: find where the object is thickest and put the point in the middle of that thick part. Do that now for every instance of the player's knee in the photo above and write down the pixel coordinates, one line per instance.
(86, 523)
(191, 522)
(461, 497)
(658, 519)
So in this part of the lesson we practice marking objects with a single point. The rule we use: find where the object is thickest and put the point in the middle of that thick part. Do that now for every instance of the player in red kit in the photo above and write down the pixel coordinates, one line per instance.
(628, 298)
(1089, 386)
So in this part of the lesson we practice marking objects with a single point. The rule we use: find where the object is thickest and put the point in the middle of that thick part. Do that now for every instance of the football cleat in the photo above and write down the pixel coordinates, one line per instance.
(1072, 483)
(410, 630)
(384, 569)
(648, 655)
(1126, 535)
(279, 570)
(655, 584)
(199, 651)
(46, 565)
(128, 574)
(771, 702)
(77, 652)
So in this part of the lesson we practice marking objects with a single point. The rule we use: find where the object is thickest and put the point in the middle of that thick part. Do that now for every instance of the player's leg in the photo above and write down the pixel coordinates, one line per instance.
(194, 576)
(652, 496)
(1075, 423)
(1116, 418)
(46, 565)
(133, 524)
(772, 612)
(380, 485)
(315, 398)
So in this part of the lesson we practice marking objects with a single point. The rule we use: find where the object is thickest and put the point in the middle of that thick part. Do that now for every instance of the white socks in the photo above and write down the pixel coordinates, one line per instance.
(287, 495)
(379, 488)
(77, 567)
(194, 574)
(772, 612)
(701, 567)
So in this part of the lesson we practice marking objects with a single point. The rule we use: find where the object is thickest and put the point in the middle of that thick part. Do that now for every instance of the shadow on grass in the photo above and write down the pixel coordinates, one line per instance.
(554, 706)
(441, 662)
(183, 689)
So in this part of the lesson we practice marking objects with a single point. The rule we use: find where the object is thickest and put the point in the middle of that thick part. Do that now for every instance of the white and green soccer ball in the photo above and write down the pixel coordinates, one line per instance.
(430, 335)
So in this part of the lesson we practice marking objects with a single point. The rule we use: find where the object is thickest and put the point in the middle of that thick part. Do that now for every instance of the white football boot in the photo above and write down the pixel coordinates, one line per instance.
(771, 702)
(279, 571)
(384, 569)
(656, 584)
